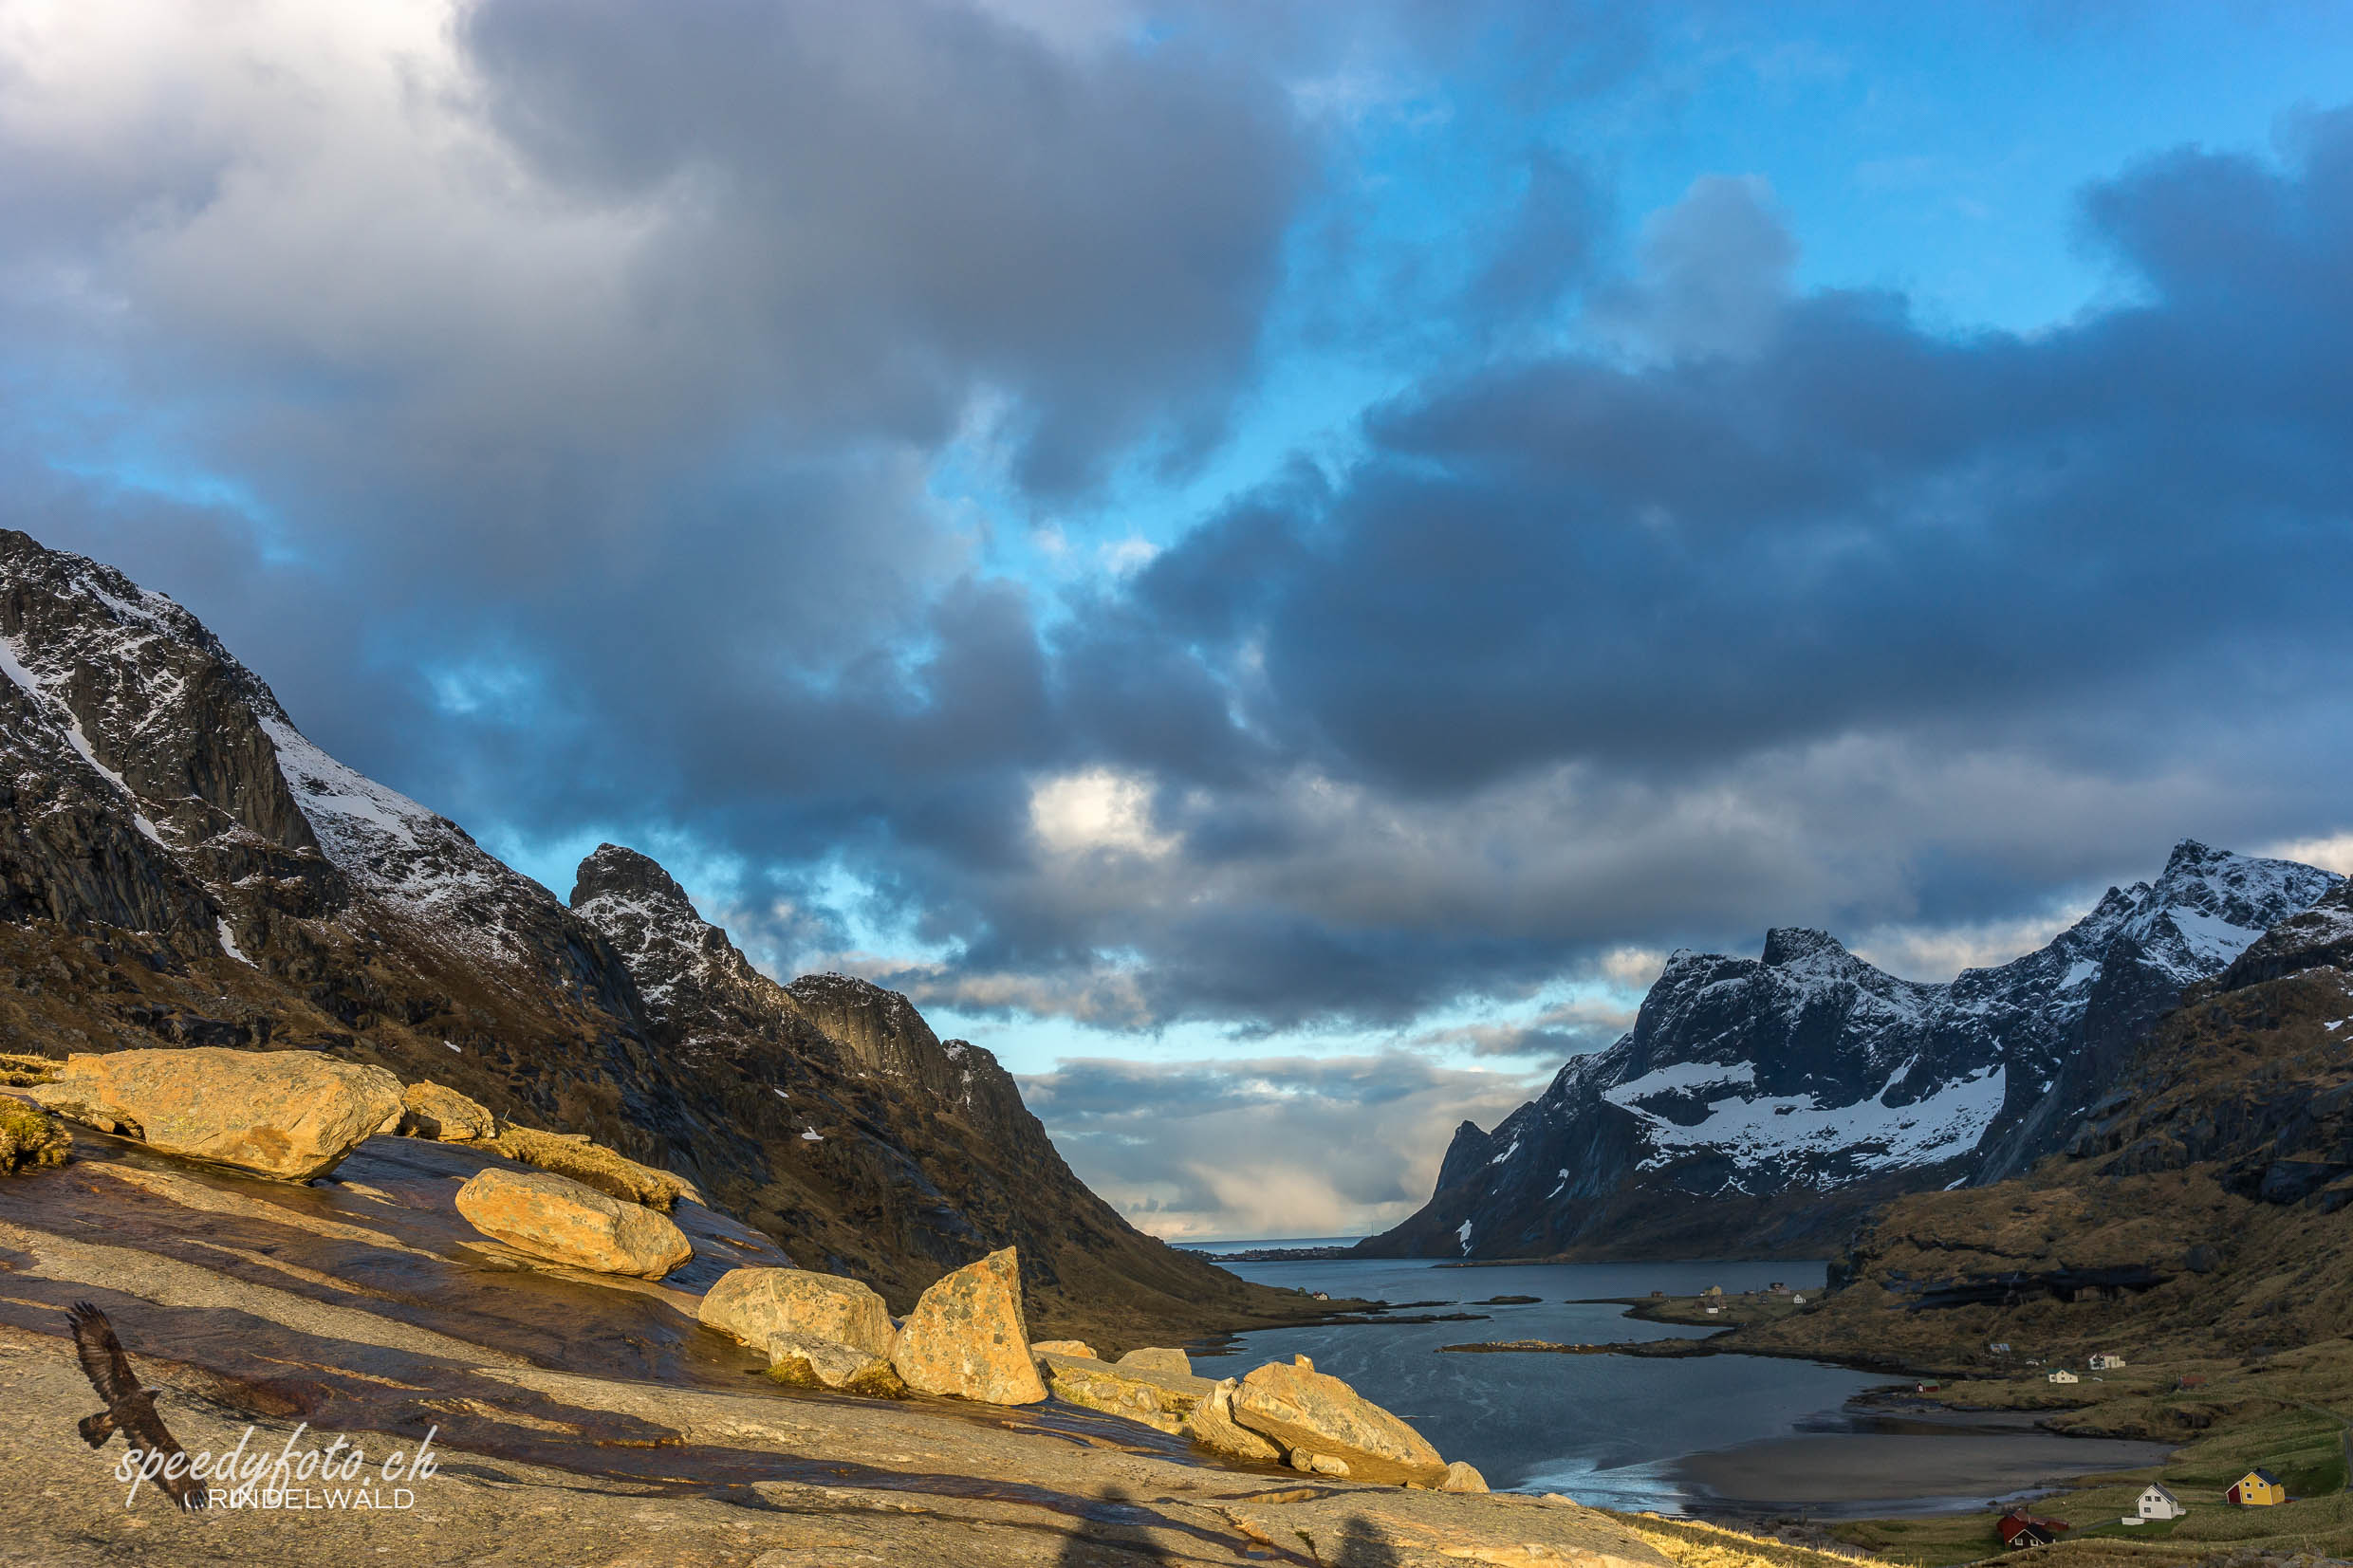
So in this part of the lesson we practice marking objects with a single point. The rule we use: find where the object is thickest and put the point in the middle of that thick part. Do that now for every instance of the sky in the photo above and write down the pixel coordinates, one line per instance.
(1265, 562)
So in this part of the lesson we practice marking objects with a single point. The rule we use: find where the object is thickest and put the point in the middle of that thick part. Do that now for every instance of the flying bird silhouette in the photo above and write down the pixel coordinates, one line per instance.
(130, 1408)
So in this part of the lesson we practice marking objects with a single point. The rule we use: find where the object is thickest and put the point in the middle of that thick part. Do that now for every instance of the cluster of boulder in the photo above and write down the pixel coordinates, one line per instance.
(967, 1338)
(295, 1114)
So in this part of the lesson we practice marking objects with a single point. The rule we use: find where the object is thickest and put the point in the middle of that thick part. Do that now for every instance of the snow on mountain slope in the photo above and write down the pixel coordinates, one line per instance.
(132, 708)
(1810, 1071)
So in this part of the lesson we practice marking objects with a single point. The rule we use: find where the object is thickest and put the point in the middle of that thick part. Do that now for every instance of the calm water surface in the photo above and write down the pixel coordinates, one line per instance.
(1604, 1430)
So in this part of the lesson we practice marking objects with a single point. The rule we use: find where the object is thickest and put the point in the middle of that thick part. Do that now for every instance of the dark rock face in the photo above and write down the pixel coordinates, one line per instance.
(1768, 1102)
(180, 865)
(2321, 937)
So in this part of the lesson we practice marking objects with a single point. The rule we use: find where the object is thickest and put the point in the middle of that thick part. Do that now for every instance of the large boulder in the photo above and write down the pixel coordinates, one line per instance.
(436, 1111)
(1063, 1347)
(1139, 1392)
(556, 1218)
(757, 1305)
(1152, 1358)
(1308, 1411)
(293, 1115)
(967, 1337)
(1210, 1423)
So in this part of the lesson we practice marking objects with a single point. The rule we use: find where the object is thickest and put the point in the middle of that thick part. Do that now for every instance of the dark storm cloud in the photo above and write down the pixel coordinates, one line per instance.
(577, 457)
(2009, 603)
(900, 199)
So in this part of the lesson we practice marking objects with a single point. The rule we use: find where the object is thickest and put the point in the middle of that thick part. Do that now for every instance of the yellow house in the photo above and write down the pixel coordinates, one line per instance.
(2256, 1489)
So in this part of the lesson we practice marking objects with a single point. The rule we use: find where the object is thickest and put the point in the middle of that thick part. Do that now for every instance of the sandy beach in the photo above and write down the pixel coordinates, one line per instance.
(1872, 1465)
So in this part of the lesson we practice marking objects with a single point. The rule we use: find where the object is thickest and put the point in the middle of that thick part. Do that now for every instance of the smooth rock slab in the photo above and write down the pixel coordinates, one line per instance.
(1153, 1360)
(556, 1218)
(967, 1337)
(293, 1115)
(757, 1305)
(1302, 1409)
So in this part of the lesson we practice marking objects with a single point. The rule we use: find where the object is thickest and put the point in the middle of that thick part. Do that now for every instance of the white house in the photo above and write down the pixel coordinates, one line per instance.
(2104, 1362)
(2063, 1375)
(1797, 1301)
(2156, 1502)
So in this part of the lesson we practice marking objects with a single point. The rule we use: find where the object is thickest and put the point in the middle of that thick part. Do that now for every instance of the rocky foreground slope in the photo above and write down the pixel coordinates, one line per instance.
(588, 1419)
(1764, 1104)
(181, 866)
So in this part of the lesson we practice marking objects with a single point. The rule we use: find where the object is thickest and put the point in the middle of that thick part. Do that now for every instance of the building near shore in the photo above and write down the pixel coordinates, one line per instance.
(2156, 1502)
(2105, 1362)
(2256, 1489)
(2063, 1375)
(2021, 1529)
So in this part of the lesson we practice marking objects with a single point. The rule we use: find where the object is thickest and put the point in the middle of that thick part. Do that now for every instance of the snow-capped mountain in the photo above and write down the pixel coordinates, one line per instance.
(180, 865)
(1758, 1101)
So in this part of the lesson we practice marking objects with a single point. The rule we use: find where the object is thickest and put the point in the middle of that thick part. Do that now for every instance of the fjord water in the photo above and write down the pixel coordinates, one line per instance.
(1744, 1435)
(1604, 1430)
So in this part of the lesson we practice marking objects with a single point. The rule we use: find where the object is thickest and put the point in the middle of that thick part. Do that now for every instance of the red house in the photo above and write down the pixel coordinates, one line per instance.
(2021, 1529)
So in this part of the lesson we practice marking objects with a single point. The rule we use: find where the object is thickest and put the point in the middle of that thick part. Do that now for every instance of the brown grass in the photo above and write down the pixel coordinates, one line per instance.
(29, 1137)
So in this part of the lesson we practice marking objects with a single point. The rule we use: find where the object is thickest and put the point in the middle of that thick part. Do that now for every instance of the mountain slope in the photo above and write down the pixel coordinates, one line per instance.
(180, 865)
(1765, 1103)
(889, 1153)
(2204, 1207)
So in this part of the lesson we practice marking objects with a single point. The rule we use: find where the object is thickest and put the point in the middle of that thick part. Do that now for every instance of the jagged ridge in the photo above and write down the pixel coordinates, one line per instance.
(1763, 1103)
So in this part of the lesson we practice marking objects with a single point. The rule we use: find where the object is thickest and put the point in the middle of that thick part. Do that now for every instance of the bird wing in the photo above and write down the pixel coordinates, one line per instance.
(101, 1353)
(156, 1438)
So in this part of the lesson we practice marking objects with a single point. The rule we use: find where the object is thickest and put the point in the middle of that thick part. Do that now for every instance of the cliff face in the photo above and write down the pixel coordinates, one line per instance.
(178, 864)
(1764, 1104)
(2204, 1207)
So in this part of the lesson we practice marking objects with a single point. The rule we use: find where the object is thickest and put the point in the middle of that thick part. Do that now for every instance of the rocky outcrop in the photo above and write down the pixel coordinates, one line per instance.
(282, 1113)
(967, 1338)
(2321, 937)
(1312, 1414)
(1153, 1359)
(1063, 1347)
(758, 1305)
(1769, 1102)
(434, 1111)
(558, 1219)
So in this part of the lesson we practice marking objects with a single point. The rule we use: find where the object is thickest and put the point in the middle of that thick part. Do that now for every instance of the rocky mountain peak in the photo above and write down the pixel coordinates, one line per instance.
(617, 873)
(1788, 947)
(1749, 1087)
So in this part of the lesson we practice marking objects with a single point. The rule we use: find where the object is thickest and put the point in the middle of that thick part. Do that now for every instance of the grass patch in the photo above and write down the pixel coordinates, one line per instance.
(30, 1137)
